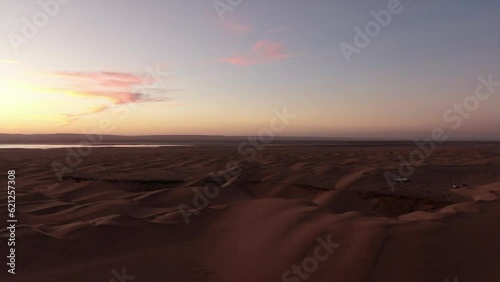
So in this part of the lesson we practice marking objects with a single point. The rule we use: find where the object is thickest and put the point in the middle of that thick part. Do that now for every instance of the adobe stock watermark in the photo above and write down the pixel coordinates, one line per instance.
(121, 276)
(248, 150)
(363, 37)
(223, 6)
(453, 116)
(74, 156)
(308, 265)
(40, 19)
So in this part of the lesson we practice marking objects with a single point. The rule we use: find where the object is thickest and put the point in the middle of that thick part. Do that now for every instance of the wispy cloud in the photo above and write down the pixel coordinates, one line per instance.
(74, 117)
(107, 79)
(115, 87)
(264, 51)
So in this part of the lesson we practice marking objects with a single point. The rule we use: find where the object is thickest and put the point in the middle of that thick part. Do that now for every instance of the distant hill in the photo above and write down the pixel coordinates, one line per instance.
(67, 138)
(64, 138)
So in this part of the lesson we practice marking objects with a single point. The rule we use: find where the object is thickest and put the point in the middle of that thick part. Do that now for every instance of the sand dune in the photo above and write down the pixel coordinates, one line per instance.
(120, 208)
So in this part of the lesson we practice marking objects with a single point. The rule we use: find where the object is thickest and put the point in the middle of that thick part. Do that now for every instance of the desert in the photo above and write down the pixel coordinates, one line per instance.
(119, 213)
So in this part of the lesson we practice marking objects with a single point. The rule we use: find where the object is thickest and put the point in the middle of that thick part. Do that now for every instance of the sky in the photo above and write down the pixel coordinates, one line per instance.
(225, 67)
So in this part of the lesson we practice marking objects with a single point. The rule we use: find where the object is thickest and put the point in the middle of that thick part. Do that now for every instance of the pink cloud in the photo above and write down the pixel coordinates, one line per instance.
(117, 87)
(114, 79)
(263, 51)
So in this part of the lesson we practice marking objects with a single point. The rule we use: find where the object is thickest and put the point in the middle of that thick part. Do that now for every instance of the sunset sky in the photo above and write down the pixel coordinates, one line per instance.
(225, 76)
